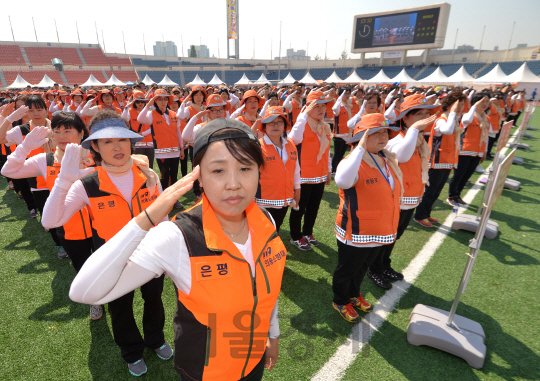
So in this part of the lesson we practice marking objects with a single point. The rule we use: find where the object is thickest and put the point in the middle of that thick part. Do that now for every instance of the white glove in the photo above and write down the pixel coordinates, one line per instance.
(36, 138)
(17, 114)
(69, 168)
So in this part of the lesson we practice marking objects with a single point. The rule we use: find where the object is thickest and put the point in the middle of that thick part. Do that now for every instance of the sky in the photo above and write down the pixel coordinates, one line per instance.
(318, 26)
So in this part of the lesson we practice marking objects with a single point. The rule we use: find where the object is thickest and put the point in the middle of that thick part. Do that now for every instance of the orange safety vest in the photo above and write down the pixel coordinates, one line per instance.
(245, 120)
(78, 227)
(330, 117)
(39, 181)
(48, 103)
(369, 211)
(114, 108)
(165, 135)
(222, 326)
(466, 106)
(442, 150)
(116, 104)
(109, 211)
(355, 108)
(413, 187)
(429, 129)
(293, 115)
(470, 140)
(312, 172)
(276, 180)
(340, 121)
(494, 119)
(137, 127)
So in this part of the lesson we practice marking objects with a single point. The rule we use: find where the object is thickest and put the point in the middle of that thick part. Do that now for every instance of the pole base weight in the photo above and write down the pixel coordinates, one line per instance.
(528, 136)
(515, 160)
(519, 145)
(427, 326)
(512, 184)
(530, 128)
(470, 223)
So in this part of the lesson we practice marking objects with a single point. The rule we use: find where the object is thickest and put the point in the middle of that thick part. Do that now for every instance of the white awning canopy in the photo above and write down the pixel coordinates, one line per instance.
(243, 81)
(353, 78)
(288, 80)
(436, 77)
(334, 78)
(92, 81)
(523, 74)
(380, 78)
(262, 80)
(215, 81)
(166, 81)
(403, 77)
(308, 79)
(461, 76)
(46, 82)
(19, 83)
(147, 80)
(496, 75)
(113, 81)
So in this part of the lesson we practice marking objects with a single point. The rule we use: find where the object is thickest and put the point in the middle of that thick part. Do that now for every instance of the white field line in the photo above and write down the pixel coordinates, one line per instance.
(335, 367)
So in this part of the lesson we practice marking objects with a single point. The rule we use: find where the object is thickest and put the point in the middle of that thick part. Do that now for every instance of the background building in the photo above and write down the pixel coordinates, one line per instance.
(202, 51)
(299, 55)
(167, 49)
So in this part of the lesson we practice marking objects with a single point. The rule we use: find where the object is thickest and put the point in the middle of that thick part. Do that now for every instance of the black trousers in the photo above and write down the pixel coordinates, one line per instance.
(21, 185)
(492, 141)
(256, 373)
(437, 179)
(40, 197)
(310, 200)
(278, 214)
(183, 163)
(340, 147)
(464, 171)
(148, 152)
(351, 269)
(383, 261)
(196, 185)
(78, 250)
(169, 171)
(125, 330)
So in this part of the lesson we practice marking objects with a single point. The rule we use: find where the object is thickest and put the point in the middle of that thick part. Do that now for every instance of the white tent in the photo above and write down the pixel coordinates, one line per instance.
(114, 81)
(147, 80)
(308, 79)
(19, 83)
(403, 77)
(92, 81)
(288, 80)
(436, 77)
(353, 78)
(197, 81)
(243, 81)
(215, 81)
(46, 82)
(461, 76)
(334, 78)
(496, 75)
(166, 81)
(525, 79)
(262, 80)
(380, 78)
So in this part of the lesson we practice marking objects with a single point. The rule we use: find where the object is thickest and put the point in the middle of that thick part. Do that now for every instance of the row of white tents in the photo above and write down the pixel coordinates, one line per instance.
(523, 76)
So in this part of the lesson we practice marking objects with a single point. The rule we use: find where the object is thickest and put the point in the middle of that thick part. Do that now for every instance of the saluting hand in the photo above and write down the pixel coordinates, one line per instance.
(422, 124)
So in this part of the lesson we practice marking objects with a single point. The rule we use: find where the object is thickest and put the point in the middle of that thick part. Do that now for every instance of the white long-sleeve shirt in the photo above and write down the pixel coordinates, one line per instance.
(443, 127)
(468, 118)
(297, 134)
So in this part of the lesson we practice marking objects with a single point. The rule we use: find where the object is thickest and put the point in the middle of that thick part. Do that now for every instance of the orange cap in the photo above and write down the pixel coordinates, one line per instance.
(139, 95)
(272, 113)
(413, 102)
(78, 92)
(317, 96)
(215, 100)
(371, 122)
(199, 88)
(252, 93)
(163, 93)
(62, 93)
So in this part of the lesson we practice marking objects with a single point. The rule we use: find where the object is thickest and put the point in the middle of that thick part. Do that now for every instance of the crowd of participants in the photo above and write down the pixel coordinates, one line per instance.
(83, 159)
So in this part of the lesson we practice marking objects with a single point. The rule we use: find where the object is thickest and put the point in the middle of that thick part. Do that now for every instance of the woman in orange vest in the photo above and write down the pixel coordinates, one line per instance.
(473, 146)
(120, 189)
(59, 103)
(370, 183)
(226, 323)
(293, 102)
(130, 114)
(312, 137)
(106, 103)
(495, 120)
(196, 103)
(250, 105)
(119, 98)
(279, 183)
(444, 144)
(412, 153)
(49, 101)
(166, 135)
(342, 112)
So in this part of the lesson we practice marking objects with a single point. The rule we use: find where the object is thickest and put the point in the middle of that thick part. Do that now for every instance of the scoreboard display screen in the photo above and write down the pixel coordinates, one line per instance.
(396, 29)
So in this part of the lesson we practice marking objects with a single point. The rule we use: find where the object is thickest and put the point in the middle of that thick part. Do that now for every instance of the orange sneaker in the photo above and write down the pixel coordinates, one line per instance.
(361, 303)
(433, 220)
(425, 223)
(347, 312)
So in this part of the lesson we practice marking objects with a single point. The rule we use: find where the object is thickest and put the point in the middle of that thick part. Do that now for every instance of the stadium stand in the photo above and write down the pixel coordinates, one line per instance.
(11, 55)
(158, 75)
(33, 76)
(80, 76)
(152, 63)
(430, 69)
(124, 75)
(94, 56)
(41, 56)
(368, 72)
(449, 69)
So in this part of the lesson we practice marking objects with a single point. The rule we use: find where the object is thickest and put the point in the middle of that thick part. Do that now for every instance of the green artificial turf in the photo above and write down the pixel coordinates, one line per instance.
(46, 336)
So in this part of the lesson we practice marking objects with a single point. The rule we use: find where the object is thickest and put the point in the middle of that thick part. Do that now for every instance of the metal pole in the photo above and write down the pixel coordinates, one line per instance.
(123, 38)
(510, 42)
(237, 41)
(144, 44)
(103, 38)
(454, 49)
(182, 40)
(57, 36)
(218, 49)
(34, 29)
(11, 26)
(279, 52)
(271, 43)
(97, 35)
(78, 37)
(325, 51)
(481, 40)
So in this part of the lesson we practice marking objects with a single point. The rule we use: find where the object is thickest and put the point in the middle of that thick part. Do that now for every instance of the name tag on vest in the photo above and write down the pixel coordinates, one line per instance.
(213, 270)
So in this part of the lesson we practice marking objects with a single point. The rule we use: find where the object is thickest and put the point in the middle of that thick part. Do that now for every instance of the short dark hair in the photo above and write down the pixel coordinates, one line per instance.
(373, 94)
(35, 101)
(478, 97)
(246, 151)
(71, 120)
(451, 98)
(273, 94)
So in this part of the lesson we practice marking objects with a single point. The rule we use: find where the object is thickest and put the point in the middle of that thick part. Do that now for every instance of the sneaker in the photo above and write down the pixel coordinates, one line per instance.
(347, 312)
(433, 220)
(45, 230)
(19, 195)
(301, 244)
(137, 368)
(11, 186)
(392, 274)
(33, 213)
(479, 169)
(96, 312)
(424, 223)
(380, 280)
(361, 303)
(178, 205)
(311, 240)
(460, 201)
(61, 252)
(164, 352)
(452, 201)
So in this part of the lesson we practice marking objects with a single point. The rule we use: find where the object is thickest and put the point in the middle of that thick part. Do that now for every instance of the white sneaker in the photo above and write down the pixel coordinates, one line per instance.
(96, 312)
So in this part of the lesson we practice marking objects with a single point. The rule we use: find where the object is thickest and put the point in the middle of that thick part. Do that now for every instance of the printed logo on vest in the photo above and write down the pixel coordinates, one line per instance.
(269, 260)
(213, 270)
(371, 181)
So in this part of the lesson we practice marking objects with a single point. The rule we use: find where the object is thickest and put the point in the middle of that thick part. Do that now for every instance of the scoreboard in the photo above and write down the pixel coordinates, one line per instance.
(413, 28)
